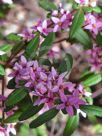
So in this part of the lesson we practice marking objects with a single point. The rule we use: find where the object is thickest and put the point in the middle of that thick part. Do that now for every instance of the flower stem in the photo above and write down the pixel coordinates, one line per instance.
(3, 88)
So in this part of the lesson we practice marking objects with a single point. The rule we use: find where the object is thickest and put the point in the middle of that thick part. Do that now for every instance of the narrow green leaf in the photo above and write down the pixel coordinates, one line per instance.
(46, 45)
(77, 23)
(99, 39)
(62, 67)
(87, 9)
(45, 62)
(24, 130)
(6, 48)
(18, 47)
(71, 125)
(66, 64)
(32, 46)
(47, 5)
(85, 74)
(13, 118)
(14, 37)
(92, 110)
(43, 118)
(2, 71)
(25, 103)
(16, 96)
(92, 80)
(69, 61)
(82, 37)
(30, 111)
(97, 9)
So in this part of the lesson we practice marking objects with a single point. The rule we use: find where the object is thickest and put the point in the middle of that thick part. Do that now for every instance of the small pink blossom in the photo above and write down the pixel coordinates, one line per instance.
(95, 58)
(36, 25)
(5, 131)
(27, 34)
(92, 23)
(52, 54)
(87, 2)
(43, 28)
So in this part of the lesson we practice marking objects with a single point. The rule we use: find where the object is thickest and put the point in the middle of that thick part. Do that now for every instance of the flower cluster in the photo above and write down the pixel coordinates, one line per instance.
(92, 23)
(91, 3)
(95, 58)
(27, 34)
(60, 20)
(9, 128)
(49, 86)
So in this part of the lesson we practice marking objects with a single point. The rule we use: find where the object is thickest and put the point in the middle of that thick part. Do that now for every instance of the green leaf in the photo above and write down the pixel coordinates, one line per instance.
(2, 71)
(14, 37)
(46, 45)
(66, 64)
(92, 110)
(32, 47)
(43, 118)
(16, 96)
(69, 61)
(13, 118)
(72, 124)
(77, 23)
(6, 48)
(18, 47)
(97, 9)
(25, 103)
(29, 112)
(45, 62)
(62, 67)
(99, 39)
(47, 5)
(92, 80)
(87, 9)
(24, 130)
(41, 131)
(86, 74)
(89, 99)
(82, 37)
(11, 84)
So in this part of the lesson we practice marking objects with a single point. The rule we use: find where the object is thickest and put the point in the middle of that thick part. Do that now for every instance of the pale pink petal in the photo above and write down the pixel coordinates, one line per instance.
(13, 131)
(44, 24)
(55, 20)
(63, 18)
(56, 28)
(40, 29)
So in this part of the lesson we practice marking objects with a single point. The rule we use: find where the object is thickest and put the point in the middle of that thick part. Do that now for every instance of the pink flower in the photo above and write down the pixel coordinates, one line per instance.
(5, 131)
(92, 23)
(83, 2)
(69, 103)
(52, 54)
(27, 34)
(2, 98)
(59, 23)
(49, 86)
(37, 25)
(11, 129)
(87, 2)
(43, 28)
(94, 58)
(53, 74)
(61, 19)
